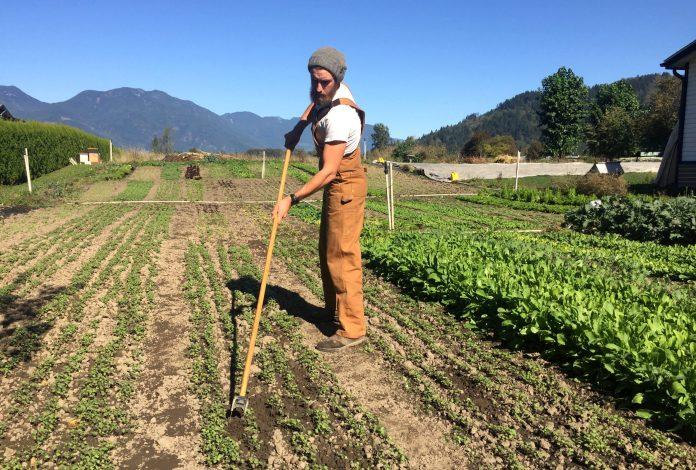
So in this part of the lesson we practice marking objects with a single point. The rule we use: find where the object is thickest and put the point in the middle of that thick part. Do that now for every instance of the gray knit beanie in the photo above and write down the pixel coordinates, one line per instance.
(330, 59)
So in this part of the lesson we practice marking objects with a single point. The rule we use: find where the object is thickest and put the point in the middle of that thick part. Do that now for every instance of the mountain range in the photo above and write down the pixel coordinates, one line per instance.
(517, 116)
(131, 117)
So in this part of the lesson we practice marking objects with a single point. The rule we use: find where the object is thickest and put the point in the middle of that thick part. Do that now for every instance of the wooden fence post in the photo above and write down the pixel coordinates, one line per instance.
(517, 170)
(26, 166)
(263, 165)
(391, 190)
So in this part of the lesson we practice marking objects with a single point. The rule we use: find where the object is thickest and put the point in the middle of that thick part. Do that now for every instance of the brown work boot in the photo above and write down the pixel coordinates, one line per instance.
(338, 342)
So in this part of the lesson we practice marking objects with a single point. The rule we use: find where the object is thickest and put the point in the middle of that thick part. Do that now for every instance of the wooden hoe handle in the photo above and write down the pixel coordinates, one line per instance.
(264, 280)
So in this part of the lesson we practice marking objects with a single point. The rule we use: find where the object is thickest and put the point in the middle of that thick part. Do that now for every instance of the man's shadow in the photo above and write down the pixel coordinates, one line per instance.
(287, 300)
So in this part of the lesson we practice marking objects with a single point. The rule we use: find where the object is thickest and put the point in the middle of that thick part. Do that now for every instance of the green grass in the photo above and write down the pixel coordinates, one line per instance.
(61, 184)
(135, 191)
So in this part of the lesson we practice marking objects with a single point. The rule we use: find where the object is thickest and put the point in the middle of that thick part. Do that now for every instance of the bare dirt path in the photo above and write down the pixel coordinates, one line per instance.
(167, 427)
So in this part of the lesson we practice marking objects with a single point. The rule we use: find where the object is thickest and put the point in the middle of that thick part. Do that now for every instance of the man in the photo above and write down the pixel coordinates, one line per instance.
(337, 125)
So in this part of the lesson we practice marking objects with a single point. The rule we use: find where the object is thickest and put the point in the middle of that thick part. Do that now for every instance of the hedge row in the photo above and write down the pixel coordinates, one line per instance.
(50, 148)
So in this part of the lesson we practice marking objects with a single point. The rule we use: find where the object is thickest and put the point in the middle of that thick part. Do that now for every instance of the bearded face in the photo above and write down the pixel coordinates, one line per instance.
(323, 86)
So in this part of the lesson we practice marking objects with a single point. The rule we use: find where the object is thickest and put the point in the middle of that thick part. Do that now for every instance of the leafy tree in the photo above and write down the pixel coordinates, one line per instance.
(474, 146)
(612, 127)
(404, 149)
(500, 145)
(563, 111)
(535, 150)
(163, 144)
(661, 113)
(380, 136)
(618, 94)
(615, 135)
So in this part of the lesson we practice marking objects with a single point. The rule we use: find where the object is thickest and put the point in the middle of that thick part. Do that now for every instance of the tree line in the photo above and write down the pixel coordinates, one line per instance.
(564, 117)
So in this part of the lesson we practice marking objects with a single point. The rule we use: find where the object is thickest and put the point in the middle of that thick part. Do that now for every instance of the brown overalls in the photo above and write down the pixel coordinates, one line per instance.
(342, 218)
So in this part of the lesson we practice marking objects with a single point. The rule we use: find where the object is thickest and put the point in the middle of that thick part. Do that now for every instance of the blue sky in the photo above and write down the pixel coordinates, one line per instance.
(415, 66)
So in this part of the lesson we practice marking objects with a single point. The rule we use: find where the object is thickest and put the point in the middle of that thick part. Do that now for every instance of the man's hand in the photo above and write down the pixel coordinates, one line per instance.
(292, 138)
(282, 208)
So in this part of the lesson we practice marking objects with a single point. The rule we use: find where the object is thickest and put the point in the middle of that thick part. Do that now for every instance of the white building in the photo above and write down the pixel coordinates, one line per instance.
(683, 66)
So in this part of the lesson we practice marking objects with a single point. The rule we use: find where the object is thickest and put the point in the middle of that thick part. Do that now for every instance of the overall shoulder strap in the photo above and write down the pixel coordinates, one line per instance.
(316, 115)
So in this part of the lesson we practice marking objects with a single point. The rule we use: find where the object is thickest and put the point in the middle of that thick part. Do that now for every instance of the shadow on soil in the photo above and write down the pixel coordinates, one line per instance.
(6, 211)
(21, 328)
(287, 300)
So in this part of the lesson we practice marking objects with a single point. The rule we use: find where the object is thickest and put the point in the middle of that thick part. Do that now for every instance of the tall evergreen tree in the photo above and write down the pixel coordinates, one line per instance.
(563, 111)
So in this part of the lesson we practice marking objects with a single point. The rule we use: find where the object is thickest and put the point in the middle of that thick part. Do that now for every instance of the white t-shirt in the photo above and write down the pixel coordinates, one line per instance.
(341, 124)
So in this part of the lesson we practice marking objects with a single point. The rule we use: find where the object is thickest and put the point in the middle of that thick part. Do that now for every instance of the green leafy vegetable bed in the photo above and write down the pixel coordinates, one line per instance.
(624, 330)
(663, 220)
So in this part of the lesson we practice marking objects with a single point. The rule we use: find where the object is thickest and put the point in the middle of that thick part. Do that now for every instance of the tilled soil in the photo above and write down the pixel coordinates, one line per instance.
(358, 372)
(138, 362)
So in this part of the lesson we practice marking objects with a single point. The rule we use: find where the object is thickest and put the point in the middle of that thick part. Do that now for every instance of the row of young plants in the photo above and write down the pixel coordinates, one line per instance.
(475, 388)
(326, 417)
(40, 397)
(66, 250)
(493, 199)
(434, 352)
(617, 329)
(284, 396)
(668, 221)
(35, 246)
(136, 190)
(101, 412)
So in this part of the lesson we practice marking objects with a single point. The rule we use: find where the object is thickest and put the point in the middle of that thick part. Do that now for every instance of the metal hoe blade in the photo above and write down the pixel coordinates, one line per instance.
(239, 406)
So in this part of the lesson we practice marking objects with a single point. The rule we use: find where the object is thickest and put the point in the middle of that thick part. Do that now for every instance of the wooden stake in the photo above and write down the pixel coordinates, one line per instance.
(111, 153)
(263, 166)
(386, 177)
(264, 280)
(517, 170)
(26, 167)
(391, 190)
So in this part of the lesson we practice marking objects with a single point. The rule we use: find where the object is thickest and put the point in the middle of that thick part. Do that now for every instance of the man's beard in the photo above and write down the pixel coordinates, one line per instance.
(318, 99)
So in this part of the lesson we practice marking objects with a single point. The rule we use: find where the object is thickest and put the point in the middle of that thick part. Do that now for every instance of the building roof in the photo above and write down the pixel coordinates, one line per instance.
(5, 113)
(680, 59)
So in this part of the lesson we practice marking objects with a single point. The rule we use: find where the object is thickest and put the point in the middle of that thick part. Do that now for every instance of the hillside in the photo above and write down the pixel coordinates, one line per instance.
(132, 116)
(516, 116)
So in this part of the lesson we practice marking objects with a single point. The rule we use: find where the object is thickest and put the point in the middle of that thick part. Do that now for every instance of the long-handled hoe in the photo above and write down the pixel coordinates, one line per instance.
(241, 402)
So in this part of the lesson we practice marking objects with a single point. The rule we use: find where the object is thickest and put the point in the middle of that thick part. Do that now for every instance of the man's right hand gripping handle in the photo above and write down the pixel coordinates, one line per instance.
(292, 138)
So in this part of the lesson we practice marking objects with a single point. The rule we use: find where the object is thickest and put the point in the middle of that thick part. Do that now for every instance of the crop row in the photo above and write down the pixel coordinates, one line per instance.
(611, 328)
(66, 351)
(34, 247)
(440, 361)
(494, 200)
(136, 190)
(64, 250)
(331, 431)
(101, 411)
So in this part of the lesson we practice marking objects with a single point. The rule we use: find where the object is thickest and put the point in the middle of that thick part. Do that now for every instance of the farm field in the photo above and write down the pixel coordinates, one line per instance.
(496, 338)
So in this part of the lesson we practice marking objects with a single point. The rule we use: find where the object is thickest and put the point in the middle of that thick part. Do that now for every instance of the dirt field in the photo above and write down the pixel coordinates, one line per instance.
(124, 328)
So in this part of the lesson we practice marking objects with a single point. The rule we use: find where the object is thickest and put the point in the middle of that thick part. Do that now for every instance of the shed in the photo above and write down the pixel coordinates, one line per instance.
(679, 158)
(607, 168)
(90, 156)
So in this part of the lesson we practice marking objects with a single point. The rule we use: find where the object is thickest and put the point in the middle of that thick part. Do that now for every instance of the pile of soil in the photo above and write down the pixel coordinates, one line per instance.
(185, 157)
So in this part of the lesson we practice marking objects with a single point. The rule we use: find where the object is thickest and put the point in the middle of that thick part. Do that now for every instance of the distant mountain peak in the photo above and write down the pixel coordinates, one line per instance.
(131, 117)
